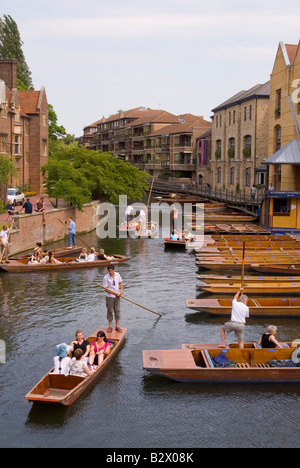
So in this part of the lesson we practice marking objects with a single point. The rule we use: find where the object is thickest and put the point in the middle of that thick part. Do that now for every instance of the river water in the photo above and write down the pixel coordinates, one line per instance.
(127, 408)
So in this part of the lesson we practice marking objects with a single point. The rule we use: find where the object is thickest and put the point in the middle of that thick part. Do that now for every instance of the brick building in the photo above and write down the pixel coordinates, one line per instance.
(155, 141)
(23, 127)
(240, 140)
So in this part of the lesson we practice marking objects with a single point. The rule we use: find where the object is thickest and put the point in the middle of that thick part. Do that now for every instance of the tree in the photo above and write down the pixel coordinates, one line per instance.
(77, 174)
(7, 170)
(55, 131)
(11, 47)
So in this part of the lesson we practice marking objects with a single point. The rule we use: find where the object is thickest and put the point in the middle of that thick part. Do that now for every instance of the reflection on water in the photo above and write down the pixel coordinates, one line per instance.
(39, 311)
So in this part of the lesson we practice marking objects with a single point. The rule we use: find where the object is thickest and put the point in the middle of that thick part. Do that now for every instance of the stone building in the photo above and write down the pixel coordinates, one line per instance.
(281, 207)
(240, 140)
(155, 141)
(23, 127)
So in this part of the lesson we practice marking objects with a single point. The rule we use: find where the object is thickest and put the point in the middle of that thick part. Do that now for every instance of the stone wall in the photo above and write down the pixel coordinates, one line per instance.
(29, 229)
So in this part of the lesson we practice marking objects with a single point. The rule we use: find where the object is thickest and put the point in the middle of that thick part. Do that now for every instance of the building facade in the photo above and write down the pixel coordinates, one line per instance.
(240, 140)
(155, 141)
(23, 127)
(281, 207)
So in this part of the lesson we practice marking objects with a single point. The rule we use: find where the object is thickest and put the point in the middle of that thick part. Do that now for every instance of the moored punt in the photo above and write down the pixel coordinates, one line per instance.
(215, 279)
(223, 217)
(284, 269)
(259, 306)
(253, 288)
(22, 266)
(242, 365)
(64, 390)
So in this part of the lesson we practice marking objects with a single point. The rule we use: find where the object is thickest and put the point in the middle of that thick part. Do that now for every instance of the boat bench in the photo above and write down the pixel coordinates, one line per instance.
(245, 358)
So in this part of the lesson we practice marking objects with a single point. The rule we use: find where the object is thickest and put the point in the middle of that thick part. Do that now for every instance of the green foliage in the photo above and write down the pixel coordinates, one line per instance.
(7, 170)
(55, 131)
(11, 48)
(77, 175)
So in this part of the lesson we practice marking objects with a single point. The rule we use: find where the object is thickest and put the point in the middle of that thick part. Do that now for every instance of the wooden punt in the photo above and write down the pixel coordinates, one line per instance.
(58, 253)
(259, 306)
(176, 244)
(215, 279)
(223, 217)
(64, 390)
(22, 266)
(284, 269)
(253, 288)
(151, 232)
(198, 366)
(237, 266)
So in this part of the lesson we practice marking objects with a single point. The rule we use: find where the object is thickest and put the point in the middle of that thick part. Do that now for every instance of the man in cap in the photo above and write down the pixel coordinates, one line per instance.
(113, 285)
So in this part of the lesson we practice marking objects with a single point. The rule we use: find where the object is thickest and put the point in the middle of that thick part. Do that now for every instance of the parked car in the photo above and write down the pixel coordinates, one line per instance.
(15, 196)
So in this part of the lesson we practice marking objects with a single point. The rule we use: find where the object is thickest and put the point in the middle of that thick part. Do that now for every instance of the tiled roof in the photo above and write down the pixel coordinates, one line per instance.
(29, 101)
(187, 127)
(291, 50)
(154, 116)
(258, 91)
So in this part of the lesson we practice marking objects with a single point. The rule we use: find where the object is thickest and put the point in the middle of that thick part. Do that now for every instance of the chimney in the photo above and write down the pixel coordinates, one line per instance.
(8, 72)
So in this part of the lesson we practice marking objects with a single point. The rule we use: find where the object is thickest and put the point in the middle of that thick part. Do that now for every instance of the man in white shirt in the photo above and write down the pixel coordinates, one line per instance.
(4, 242)
(113, 284)
(237, 324)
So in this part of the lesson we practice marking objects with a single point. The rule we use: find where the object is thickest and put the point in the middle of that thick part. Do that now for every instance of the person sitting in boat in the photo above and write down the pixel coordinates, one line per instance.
(173, 236)
(80, 343)
(99, 349)
(79, 366)
(268, 339)
(91, 255)
(49, 258)
(35, 258)
(83, 256)
(38, 248)
(62, 361)
(102, 256)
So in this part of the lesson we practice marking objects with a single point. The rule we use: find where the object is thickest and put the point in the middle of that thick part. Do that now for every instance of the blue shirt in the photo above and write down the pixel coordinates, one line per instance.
(72, 227)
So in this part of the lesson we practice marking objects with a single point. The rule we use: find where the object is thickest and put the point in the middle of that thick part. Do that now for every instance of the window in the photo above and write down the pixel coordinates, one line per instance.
(278, 104)
(282, 206)
(234, 117)
(250, 112)
(248, 177)
(277, 138)
(232, 176)
(17, 144)
(229, 118)
(245, 113)
(219, 175)
(231, 147)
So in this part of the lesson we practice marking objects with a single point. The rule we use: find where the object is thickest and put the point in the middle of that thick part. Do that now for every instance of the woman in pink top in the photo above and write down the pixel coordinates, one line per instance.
(99, 349)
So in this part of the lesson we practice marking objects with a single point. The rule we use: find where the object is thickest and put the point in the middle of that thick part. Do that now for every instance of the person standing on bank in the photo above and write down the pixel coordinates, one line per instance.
(72, 233)
(237, 324)
(113, 285)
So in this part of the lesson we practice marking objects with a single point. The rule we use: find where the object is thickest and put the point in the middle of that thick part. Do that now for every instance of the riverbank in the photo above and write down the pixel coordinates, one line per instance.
(32, 228)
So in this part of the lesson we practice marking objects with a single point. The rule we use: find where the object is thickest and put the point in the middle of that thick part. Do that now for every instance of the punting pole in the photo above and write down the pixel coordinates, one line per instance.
(243, 265)
(129, 300)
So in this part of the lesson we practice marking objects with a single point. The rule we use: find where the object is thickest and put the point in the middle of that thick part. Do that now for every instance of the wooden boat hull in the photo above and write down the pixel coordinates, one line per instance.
(254, 288)
(16, 266)
(65, 390)
(58, 253)
(176, 244)
(196, 366)
(259, 307)
(249, 279)
(284, 269)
